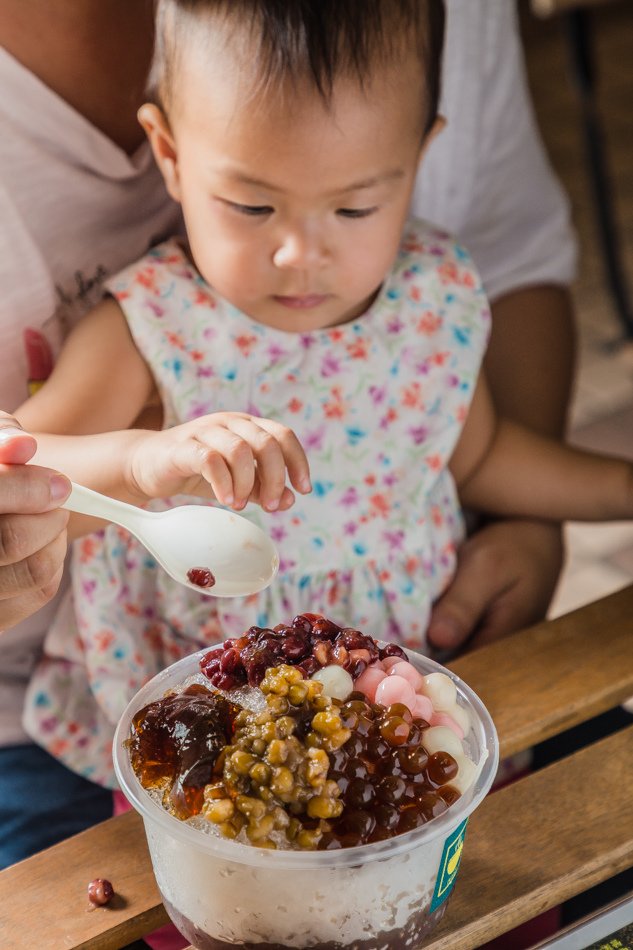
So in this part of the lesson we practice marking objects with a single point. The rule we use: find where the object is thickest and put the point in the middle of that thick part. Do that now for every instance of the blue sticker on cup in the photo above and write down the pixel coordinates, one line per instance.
(449, 865)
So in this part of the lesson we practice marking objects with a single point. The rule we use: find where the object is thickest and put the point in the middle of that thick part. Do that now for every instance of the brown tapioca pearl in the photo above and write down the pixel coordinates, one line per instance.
(431, 805)
(399, 709)
(395, 730)
(360, 794)
(341, 780)
(392, 649)
(354, 746)
(415, 735)
(387, 817)
(377, 748)
(364, 726)
(339, 758)
(441, 768)
(349, 717)
(359, 706)
(325, 629)
(357, 768)
(449, 794)
(413, 761)
(329, 842)
(410, 819)
(391, 789)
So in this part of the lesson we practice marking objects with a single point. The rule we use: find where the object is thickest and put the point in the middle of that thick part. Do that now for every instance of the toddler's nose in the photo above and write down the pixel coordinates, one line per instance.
(300, 249)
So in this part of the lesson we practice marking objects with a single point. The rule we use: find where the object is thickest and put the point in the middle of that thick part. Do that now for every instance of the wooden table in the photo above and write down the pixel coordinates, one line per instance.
(529, 846)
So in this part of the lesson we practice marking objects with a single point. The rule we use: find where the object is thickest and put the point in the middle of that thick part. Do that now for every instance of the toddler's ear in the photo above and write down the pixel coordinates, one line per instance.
(156, 126)
(436, 128)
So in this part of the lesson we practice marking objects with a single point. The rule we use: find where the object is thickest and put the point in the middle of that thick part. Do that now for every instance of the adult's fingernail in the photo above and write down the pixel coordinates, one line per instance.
(59, 488)
(306, 485)
(10, 432)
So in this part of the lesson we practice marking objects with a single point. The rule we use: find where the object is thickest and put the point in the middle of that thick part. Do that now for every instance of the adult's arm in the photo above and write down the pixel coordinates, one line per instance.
(487, 179)
(32, 526)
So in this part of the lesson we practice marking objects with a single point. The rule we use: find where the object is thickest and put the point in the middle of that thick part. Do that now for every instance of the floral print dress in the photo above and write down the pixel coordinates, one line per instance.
(378, 404)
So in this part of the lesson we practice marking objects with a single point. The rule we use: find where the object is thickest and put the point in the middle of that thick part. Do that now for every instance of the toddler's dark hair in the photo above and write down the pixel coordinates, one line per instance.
(318, 39)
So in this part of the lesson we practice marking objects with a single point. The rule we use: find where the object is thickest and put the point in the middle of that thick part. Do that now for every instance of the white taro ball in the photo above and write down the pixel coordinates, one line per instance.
(461, 717)
(442, 739)
(467, 771)
(441, 691)
(337, 683)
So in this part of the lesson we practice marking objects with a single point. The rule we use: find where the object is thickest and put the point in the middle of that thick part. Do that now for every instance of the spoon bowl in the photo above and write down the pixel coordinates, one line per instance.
(239, 556)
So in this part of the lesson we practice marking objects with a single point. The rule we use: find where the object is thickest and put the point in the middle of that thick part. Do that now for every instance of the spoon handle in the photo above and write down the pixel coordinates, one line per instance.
(84, 501)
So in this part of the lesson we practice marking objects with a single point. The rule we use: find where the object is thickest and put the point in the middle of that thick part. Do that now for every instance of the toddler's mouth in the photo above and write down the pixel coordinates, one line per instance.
(301, 301)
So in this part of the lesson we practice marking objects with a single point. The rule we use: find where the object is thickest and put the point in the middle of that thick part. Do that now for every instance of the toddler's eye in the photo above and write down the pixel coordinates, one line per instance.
(251, 210)
(356, 212)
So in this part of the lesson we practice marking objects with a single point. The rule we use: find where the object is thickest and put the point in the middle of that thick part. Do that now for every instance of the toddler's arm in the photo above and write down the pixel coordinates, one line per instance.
(503, 468)
(101, 383)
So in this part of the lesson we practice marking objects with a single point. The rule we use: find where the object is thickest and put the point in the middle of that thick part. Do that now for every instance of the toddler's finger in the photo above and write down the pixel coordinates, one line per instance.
(271, 465)
(294, 455)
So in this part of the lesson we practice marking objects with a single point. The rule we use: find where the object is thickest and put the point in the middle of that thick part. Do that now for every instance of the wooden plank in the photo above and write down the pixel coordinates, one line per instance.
(556, 674)
(44, 901)
(543, 839)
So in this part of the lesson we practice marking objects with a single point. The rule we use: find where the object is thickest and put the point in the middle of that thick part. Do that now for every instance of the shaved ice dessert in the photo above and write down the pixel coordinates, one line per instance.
(306, 786)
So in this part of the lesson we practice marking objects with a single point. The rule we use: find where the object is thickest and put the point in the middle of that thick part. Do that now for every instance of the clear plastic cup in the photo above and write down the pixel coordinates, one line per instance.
(387, 895)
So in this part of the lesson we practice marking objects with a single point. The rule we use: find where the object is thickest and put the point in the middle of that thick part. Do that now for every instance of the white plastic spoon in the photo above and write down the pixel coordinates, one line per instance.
(241, 558)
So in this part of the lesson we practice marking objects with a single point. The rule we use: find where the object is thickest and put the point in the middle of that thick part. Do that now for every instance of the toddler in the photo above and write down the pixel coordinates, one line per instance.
(304, 310)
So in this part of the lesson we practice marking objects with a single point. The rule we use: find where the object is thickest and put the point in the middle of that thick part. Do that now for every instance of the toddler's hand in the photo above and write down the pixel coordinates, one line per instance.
(231, 456)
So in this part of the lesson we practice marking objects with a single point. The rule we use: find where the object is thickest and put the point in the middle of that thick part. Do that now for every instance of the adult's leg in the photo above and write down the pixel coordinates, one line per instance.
(42, 802)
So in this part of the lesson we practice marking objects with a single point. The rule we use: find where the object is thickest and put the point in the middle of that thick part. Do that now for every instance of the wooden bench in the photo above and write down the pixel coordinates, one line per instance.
(531, 845)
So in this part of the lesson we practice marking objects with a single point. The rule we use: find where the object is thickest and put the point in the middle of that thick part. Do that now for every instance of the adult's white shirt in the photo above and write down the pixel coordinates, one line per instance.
(74, 207)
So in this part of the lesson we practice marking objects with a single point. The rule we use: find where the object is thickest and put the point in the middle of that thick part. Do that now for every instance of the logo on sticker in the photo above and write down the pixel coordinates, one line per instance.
(449, 865)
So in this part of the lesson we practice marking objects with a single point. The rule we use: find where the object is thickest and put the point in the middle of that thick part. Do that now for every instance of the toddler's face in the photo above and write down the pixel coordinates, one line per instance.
(294, 210)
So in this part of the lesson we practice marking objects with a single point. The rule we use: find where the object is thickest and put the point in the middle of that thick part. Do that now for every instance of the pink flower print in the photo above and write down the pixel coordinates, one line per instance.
(245, 343)
(358, 349)
(390, 416)
(395, 325)
(209, 333)
(440, 358)
(394, 539)
(175, 340)
(380, 504)
(204, 372)
(350, 528)
(156, 309)
(307, 340)
(418, 434)
(377, 394)
(429, 323)
(196, 355)
(197, 409)
(276, 352)
(103, 639)
(295, 405)
(452, 380)
(390, 480)
(331, 366)
(203, 298)
(335, 409)
(314, 440)
(278, 532)
(88, 588)
(349, 497)
(145, 277)
(412, 396)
